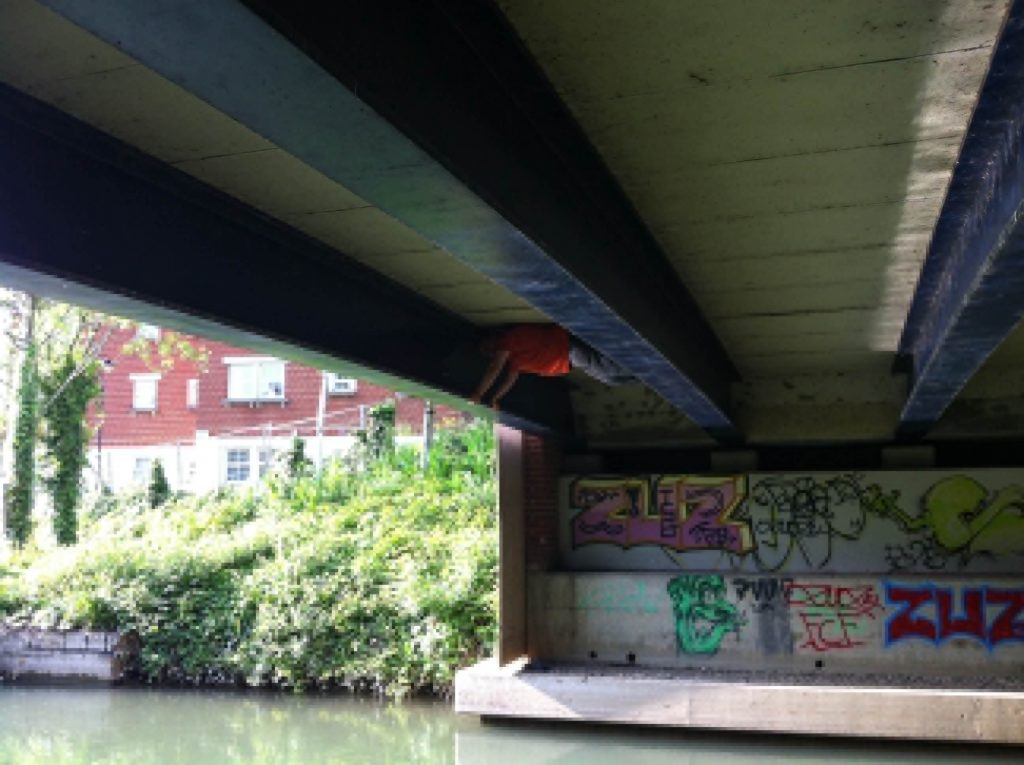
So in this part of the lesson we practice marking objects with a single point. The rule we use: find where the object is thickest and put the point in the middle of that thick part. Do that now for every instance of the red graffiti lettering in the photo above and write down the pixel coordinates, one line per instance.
(972, 620)
(833, 617)
(904, 624)
(1007, 625)
(971, 623)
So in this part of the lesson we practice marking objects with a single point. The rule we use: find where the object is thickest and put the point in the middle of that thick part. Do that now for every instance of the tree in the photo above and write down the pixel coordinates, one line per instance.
(66, 342)
(297, 463)
(68, 389)
(379, 438)
(19, 520)
(159, 489)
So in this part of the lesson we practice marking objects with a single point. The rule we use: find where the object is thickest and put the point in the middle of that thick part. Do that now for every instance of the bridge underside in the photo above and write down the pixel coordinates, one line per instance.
(797, 225)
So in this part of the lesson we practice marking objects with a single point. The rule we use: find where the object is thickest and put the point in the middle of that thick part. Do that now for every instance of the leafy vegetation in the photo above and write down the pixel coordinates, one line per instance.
(159, 490)
(19, 522)
(380, 579)
(67, 391)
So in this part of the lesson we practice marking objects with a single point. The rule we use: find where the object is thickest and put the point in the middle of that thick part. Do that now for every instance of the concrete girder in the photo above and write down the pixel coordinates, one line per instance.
(87, 219)
(971, 292)
(466, 143)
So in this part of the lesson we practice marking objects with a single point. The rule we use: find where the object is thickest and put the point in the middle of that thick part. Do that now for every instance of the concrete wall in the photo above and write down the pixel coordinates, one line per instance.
(912, 572)
(905, 625)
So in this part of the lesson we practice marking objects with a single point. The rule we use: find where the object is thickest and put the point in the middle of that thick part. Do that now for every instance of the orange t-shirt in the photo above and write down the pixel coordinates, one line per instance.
(541, 349)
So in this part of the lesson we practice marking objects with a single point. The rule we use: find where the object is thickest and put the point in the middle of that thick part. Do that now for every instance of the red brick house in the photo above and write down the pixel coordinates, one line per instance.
(223, 421)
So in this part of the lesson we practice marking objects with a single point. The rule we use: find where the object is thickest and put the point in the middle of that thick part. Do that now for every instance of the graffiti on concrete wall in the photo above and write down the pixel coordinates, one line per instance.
(833, 617)
(762, 601)
(843, 522)
(837, 622)
(703, 613)
(690, 513)
(990, 615)
(803, 515)
(958, 517)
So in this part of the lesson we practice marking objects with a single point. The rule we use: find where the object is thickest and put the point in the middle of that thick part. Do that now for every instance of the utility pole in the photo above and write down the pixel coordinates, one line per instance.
(428, 433)
(321, 410)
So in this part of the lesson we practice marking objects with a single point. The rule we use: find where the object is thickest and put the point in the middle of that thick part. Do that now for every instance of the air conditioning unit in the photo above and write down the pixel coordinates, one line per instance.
(341, 386)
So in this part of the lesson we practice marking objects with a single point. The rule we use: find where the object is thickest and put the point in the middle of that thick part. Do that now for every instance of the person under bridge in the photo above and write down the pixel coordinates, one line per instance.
(540, 349)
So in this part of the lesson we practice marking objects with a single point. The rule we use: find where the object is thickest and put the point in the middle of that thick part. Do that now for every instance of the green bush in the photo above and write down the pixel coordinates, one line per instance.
(381, 580)
(159, 489)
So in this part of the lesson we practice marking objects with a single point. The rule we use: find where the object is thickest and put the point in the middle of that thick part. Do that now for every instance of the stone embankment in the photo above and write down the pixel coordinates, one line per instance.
(65, 655)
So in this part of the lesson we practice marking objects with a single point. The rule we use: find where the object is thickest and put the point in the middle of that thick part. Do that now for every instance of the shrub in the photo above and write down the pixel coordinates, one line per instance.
(159, 490)
(383, 580)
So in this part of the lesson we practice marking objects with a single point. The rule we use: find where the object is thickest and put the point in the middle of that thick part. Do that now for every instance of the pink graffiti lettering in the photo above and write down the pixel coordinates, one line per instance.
(691, 513)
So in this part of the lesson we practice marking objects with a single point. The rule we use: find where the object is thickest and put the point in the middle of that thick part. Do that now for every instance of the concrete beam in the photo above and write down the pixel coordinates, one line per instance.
(435, 114)
(971, 292)
(88, 220)
(687, 701)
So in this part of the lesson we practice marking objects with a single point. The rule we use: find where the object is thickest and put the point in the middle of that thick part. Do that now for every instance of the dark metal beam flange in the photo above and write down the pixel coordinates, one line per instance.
(971, 292)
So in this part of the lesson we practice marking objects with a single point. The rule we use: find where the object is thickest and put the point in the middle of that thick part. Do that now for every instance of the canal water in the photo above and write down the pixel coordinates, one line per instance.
(46, 726)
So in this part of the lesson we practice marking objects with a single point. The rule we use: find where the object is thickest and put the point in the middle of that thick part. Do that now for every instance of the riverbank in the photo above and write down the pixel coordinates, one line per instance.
(380, 579)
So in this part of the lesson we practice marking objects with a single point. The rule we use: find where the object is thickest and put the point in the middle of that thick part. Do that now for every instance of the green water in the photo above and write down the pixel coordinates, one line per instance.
(40, 726)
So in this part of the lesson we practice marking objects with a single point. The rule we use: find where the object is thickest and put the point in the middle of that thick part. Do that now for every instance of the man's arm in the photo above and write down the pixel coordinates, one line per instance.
(493, 370)
(511, 376)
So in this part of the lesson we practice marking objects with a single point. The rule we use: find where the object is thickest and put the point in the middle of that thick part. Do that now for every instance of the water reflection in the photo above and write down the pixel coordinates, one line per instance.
(72, 726)
(596, 745)
(77, 726)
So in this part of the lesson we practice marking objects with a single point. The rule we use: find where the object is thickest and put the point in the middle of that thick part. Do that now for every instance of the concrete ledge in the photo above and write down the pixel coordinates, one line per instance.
(64, 655)
(640, 699)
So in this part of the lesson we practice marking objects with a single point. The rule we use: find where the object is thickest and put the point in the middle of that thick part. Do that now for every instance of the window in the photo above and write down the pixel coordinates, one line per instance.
(192, 394)
(141, 471)
(238, 465)
(255, 379)
(144, 392)
(148, 332)
(266, 461)
(341, 386)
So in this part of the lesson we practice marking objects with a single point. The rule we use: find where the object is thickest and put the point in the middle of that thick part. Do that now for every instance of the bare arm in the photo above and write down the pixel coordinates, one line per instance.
(493, 370)
(506, 385)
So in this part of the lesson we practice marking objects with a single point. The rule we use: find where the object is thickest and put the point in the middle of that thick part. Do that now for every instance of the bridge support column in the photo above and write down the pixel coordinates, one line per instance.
(528, 467)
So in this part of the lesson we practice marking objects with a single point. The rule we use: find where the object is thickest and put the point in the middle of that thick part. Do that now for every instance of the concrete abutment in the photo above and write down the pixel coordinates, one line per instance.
(882, 603)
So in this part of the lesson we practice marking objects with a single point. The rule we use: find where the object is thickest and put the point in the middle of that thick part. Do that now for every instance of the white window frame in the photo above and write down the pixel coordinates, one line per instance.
(148, 332)
(140, 381)
(265, 457)
(192, 393)
(339, 385)
(238, 465)
(265, 385)
(142, 470)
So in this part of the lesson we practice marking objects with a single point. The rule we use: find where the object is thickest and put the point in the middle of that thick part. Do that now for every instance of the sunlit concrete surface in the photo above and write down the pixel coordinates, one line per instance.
(686, 700)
